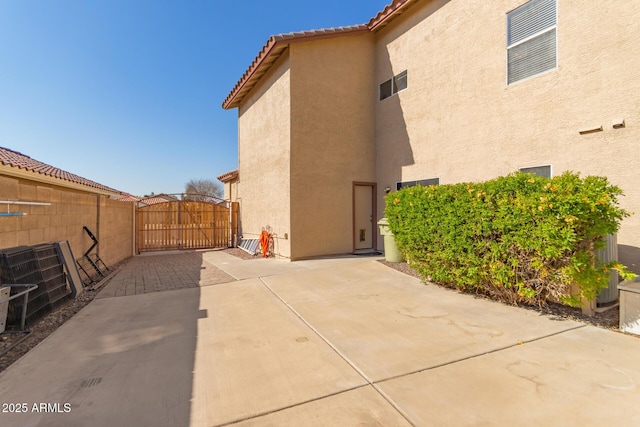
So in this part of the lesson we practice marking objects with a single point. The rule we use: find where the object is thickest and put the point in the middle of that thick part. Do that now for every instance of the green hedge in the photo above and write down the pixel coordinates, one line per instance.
(519, 238)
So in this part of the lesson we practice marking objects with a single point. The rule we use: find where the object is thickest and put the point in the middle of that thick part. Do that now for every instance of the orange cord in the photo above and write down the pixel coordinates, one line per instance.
(264, 242)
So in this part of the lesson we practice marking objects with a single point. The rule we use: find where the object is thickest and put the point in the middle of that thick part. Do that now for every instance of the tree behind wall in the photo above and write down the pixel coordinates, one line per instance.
(199, 189)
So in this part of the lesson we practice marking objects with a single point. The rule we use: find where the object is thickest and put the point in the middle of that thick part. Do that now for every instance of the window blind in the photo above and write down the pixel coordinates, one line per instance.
(531, 39)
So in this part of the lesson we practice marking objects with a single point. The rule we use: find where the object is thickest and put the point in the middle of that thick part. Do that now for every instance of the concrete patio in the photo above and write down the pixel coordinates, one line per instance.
(207, 339)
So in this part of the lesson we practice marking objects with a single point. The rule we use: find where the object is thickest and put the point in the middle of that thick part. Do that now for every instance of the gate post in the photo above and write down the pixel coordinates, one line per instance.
(179, 224)
(233, 212)
(137, 224)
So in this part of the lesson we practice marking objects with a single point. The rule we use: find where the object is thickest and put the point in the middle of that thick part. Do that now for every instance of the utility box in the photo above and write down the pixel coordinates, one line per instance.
(630, 306)
(5, 292)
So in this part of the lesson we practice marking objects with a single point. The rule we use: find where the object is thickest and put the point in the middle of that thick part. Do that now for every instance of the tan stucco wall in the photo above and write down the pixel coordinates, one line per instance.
(263, 158)
(305, 135)
(458, 119)
(332, 139)
(69, 211)
(227, 190)
(231, 190)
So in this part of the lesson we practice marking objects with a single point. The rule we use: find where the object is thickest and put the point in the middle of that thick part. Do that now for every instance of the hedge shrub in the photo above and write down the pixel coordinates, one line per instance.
(519, 238)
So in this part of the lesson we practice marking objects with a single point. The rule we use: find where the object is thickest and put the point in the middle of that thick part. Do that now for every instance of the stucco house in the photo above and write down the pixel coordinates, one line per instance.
(433, 92)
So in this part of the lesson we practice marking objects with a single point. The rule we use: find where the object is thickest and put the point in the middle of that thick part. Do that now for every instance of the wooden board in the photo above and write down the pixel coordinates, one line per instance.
(70, 267)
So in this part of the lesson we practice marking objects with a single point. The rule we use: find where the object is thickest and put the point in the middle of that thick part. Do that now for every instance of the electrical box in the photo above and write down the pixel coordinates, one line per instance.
(630, 307)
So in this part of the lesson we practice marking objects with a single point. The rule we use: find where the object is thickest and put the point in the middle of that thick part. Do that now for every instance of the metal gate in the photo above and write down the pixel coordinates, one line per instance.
(186, 224)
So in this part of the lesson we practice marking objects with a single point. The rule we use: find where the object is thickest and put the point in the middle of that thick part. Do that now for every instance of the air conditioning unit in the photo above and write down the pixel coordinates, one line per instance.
(609, 253)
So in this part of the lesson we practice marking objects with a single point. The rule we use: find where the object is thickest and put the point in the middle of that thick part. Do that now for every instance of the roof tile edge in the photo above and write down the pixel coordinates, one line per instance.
(374, 23)
(286, 38)
(11, 159)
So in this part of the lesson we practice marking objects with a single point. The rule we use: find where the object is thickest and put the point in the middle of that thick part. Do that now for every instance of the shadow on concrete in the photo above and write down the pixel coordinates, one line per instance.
(162, 337)
(122, 360)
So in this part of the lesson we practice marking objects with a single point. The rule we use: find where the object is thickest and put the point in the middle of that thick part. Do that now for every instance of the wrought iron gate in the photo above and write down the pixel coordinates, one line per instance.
(186, 224)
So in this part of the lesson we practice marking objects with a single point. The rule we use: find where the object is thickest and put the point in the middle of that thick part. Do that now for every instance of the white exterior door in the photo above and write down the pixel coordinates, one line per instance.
(363, 224)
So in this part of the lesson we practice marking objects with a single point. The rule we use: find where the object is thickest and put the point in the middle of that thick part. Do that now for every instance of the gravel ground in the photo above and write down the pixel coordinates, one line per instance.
(240, 253)
(45, 326)
(41, 329)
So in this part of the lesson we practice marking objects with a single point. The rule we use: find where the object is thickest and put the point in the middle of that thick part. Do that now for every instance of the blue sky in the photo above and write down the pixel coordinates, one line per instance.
(128, 93)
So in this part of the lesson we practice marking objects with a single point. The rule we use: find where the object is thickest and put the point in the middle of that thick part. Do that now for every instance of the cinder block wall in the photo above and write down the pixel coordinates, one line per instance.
(116, 231)
(70, 210)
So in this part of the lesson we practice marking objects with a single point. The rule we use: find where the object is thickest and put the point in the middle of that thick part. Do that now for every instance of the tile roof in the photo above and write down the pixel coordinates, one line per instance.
(389, 13)
(276, 45)
(128, 198)
(271, 51)
(18, 160)
(228, 176)
(157, 199)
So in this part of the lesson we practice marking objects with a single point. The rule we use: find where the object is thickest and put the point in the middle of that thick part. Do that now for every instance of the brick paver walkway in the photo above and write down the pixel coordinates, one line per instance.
(164, 272)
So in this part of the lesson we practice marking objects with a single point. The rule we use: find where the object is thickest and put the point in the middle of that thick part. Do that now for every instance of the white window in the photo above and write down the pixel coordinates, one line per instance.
(531, 39)
(422, 182)
(393, 86)
(543, 171)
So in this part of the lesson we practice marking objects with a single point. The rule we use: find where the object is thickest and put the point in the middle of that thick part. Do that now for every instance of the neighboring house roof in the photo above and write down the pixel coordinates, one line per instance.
(128, 198)
(156, 199)
(276, 45)
(16, 163)
(228, 176)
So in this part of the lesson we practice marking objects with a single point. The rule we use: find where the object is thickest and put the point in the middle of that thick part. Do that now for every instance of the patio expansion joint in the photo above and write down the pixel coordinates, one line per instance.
(369, 381)
(275, 411)
(474, 356)
(374, 383)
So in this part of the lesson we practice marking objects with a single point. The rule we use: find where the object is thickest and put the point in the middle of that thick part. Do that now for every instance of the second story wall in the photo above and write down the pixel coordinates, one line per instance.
(332, 138)
(459, 120)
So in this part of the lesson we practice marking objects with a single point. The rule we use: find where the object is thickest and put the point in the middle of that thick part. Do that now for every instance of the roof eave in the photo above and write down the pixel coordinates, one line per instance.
(270, 53)
(389, 13)
(260, 65)
(17, 172)
(276, 45)
(228, 176)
